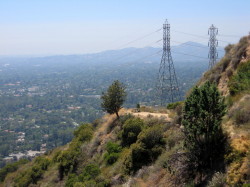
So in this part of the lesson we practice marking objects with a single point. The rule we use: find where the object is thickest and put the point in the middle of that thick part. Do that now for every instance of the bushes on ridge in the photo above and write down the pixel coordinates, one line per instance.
(149, 146)
(131, 130)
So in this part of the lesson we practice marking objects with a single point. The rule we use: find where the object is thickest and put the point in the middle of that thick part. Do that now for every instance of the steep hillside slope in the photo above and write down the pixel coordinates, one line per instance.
(146, 148)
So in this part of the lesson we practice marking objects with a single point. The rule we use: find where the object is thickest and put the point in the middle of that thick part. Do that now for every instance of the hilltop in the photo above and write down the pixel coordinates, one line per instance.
(112, 152)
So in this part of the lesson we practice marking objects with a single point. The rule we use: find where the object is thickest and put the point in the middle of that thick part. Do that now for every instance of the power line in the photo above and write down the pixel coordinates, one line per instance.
(149, 55)
(140, 38)
(132, 52)
(188, 54)
(233, 36)
(200, 36)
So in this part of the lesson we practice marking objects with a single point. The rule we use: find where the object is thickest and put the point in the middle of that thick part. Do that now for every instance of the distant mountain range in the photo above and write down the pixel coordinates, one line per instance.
(183, 53)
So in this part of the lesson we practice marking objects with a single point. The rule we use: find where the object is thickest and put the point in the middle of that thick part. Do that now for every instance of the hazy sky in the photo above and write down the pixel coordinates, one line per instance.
(48, 27)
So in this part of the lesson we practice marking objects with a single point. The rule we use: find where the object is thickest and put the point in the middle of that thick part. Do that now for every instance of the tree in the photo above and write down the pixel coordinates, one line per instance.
(114, 98)
(204, 138)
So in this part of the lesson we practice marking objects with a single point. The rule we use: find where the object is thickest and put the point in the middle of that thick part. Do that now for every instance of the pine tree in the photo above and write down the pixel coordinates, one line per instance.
(204, 138)
(113, 100)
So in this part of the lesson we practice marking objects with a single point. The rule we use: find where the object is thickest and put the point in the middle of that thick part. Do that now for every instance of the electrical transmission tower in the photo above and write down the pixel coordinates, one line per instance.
(213, 43)
(167, 87)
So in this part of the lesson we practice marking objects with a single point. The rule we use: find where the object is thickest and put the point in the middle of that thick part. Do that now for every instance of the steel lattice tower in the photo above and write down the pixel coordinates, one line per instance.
(213, 43)
(167, 87)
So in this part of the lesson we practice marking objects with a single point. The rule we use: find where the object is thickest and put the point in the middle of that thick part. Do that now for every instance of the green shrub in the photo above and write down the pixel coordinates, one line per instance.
(241, 80)
(130, 131)
(111, 158)
(124, 118)
(113, 148)
(91, 171)
(149, 146)
(174, 105)
(33, 174)
(68, 159)
(11, 168)
(84, 132)
(137, 157)
(152, 137)
(112, 154)
(72, 180)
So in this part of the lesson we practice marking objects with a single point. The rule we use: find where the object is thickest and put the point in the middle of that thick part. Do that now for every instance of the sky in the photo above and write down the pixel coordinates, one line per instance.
(54, 27)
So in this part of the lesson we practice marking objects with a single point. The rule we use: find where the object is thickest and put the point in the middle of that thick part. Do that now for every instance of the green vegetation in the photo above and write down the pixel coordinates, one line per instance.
(174, 105)
(149, 146)
(33, 174)
(90, 176)
(113, 153)
(241, 80)
(68, 159)
(9, 168)
(204, 139)
(131, 130)
(113, 100)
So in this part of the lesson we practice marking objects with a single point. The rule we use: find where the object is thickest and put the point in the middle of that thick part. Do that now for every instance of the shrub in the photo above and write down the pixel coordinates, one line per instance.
(113, 148)
(68, 159)
(130, 131)
(111, 158)
(11, 168)
(241, 80)
(112, 154)
(174, 105)
(124, 118)
(33, 174)
(90, 171)
(84, 132)
(152, 137)
(149, 146)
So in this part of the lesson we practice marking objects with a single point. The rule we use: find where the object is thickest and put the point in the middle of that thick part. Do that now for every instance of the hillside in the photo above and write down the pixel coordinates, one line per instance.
(146, 148)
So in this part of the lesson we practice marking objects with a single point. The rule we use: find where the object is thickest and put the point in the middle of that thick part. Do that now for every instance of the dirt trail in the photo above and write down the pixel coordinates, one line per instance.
(144, 115)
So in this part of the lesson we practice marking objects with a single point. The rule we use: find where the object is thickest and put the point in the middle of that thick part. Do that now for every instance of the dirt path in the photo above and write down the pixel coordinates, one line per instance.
(144, 115)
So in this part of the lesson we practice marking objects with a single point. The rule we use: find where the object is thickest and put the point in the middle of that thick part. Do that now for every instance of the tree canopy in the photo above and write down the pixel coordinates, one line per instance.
(114, 98)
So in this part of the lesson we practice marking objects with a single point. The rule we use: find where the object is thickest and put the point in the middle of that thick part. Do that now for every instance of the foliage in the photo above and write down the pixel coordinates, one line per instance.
(84, 132)
(131, 130)
(68, 159)
(33, 174)
(204, 139)
(91, 171)
(241, 80)
(90, 176)
(11, 168)
(113, 100)
(112, 154)
(149, 146)
(174, 105)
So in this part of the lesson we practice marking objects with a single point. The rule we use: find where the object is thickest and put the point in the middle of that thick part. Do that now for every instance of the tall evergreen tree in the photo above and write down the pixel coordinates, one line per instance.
(204, 138)
(114, 98)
